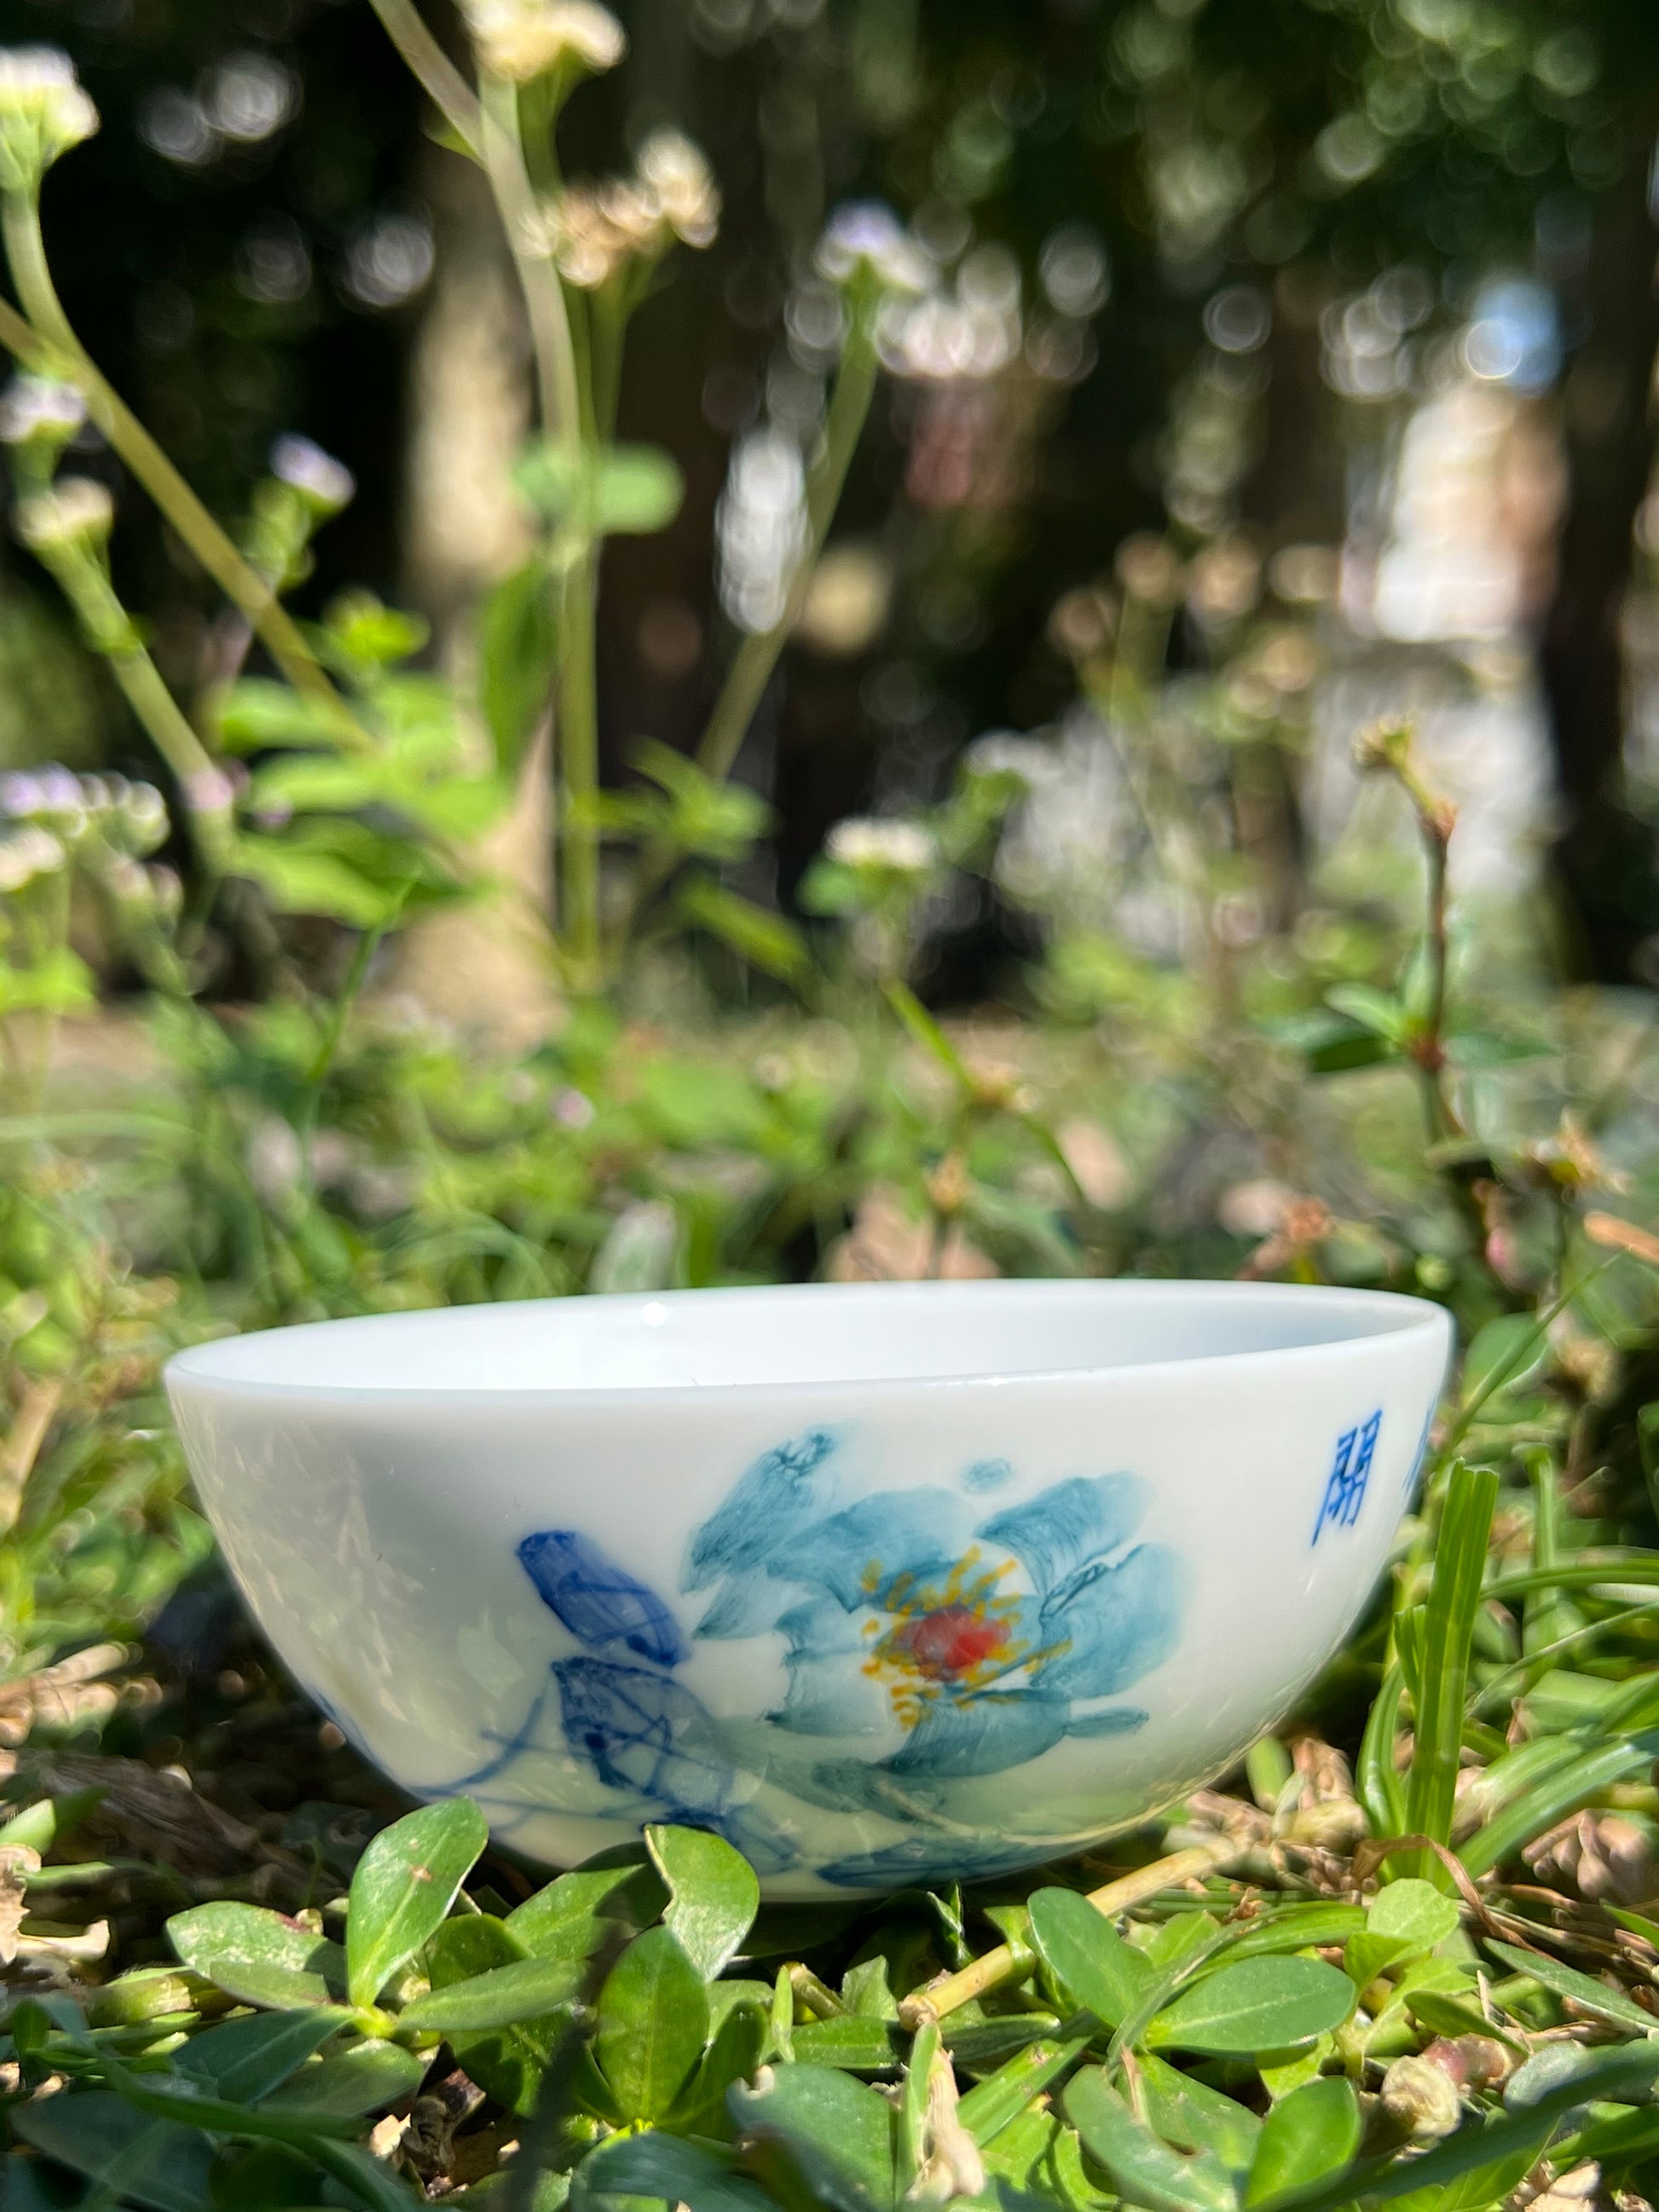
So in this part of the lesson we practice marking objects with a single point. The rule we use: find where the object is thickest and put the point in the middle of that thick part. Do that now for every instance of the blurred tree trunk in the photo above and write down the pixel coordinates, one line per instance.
(1605, 856)
(483, 966)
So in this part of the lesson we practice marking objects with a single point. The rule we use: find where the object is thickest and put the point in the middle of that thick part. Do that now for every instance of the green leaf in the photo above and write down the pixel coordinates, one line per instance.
(663, 2167)
(404, 1885)
(618, 490)
(857, 2043)
(1482, 2144)
(991, 2104)
(1406, 1921)
(834, 2135)
(1583, 1989)
(1440, 1692)
(652, 2024)
(1372, 1009)
(738, 2045)
(508, 2061)
(363, 2079)
(1086, 1955)
(714, 1894)
(639, 491)
(1296, 1928)
(578, 1914)
(1146, 2171)
(518, 658)
(1193, 2116)
(1555, 1793)
(298, 880)
(1504, 1355)
(258, 1957)
(1261, 2004)
(756, 933)
(527, 1988)
(245, 2060)
(1314, 2132)
(139, 2160)
(259, 714)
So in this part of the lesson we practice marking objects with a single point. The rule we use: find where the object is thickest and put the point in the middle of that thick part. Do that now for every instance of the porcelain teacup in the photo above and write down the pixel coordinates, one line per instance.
(885, 1583)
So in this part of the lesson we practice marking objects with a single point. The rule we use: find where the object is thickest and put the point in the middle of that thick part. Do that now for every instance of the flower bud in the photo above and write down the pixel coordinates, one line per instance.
(76, 516)
(524, 39)
(1421, 2097)
(864, 239)
(143, 819)
(324, 484)
(43, 113)
(41, 413)
(676, 177)
(895, 848)
(1384, 746)
(26, 856)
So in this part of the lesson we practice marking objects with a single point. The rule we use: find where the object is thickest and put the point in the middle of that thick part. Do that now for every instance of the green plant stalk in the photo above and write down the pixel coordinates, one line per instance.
(752, 669)
(558, 386)
(52, 334)
(107, 629)
(758, 655)
(578, 770)
(437, 76)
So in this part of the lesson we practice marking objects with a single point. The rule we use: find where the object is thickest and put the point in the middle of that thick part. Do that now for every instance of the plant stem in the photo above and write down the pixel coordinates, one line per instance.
(579, 768)
(51, 332)
(558, 386)
(1434, 820)
(438, 76)
(1009, 1960)
(560, 391)
(757, 656)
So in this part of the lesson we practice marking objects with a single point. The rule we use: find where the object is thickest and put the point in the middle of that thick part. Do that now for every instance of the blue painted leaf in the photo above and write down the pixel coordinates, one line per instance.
(643, 1731)
(784, 1488)
(1113, 1626)
(1072, 1523)
(982, 1734)
(600, 1603)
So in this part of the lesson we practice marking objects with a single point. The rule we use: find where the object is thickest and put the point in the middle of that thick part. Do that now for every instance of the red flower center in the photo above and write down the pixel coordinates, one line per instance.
(953, 1640)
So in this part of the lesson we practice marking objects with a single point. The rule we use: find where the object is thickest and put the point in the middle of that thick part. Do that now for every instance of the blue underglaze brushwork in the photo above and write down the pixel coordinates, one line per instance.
(927, 1638)
(1351, 1471)
(600, 1603)
(961, 1645)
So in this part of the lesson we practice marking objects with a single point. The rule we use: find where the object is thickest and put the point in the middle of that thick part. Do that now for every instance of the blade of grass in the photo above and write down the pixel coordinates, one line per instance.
(1448, 1627)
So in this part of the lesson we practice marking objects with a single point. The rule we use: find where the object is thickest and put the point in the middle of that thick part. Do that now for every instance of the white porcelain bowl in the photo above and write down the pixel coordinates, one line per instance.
(885, 1583)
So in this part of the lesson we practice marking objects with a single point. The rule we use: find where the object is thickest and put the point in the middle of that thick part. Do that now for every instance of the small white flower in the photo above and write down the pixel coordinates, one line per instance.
(43, 113)
(899, 848)
(323, 482)
(33, 407)
(76, 512)
(28, 855)
(867, 235)
(523, 40)
(144, 817)
(674, 173)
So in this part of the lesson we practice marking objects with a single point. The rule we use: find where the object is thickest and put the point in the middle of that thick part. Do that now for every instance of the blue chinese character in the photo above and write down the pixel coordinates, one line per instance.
(1345, 1493)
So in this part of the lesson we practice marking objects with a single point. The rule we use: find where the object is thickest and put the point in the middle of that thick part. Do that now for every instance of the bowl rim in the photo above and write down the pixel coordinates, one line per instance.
(1398, 1316)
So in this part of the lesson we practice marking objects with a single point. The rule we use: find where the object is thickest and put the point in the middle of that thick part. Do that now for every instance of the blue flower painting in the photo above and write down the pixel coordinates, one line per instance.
(962, 1645)
(921, 1637)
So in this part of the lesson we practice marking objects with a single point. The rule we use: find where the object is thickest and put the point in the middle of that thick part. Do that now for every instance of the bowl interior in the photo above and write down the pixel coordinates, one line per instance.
(807, 1335)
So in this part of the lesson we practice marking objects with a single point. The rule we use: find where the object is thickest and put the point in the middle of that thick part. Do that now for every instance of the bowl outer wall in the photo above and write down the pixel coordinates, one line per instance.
(374, 1537)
